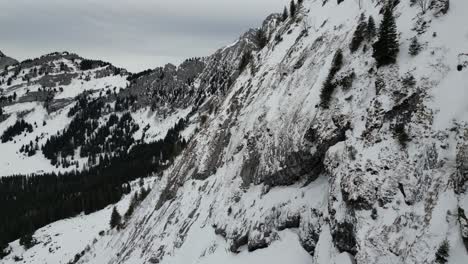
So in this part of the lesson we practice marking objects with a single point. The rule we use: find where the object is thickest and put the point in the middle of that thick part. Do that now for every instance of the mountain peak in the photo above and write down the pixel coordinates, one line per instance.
(6, 61)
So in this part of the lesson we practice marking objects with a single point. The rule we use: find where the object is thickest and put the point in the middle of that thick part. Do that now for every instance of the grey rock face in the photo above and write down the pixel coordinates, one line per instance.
(462, 164)
(169, 85)
(344, 237)
(238, 241)
(463, 226)
(297, 165)
(261, 237)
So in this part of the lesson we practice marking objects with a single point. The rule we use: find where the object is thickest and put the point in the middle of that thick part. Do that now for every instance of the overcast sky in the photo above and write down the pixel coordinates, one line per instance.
(135, 34)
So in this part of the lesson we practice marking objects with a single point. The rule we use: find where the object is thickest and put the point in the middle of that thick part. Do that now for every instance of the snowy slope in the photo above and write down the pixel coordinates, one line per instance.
(30, 89)
(272, 177)
(14, 162)
(61, 241)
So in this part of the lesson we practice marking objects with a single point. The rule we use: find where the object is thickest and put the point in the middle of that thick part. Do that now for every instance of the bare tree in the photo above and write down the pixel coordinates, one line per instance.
(423, 4)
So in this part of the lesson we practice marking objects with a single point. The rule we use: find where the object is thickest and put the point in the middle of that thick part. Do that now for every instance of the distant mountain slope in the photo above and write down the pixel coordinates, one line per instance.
(6, 61)
(83, 130)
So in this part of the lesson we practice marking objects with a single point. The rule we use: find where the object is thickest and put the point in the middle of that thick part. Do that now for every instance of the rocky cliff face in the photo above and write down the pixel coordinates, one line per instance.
(271, 176)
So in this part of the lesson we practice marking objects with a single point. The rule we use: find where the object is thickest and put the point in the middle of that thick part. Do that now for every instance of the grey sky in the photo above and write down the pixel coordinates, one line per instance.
(135, 34)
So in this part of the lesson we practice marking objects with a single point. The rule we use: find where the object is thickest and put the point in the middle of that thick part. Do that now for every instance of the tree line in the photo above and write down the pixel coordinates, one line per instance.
(17, 129)
(29, 202)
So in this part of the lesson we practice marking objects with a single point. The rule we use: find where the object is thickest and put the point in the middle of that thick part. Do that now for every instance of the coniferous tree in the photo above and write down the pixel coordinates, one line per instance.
(442, 253)
(131, 207)
(141, 182)
(262, 38)
(401, 135)
(115, 218)
(144, 192)
(386, 48)
(370, 28)
(27, 241)
(414, 47)
(329, 85)
(285, 14)
(292, 8)
(359, 34)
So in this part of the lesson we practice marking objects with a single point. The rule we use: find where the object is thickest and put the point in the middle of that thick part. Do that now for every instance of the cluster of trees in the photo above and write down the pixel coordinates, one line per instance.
(134, 76)
(17, 129)
(83, 103)
(92, 64)
(27, 241)
(82, 127)
(8, 99)
(125, 103)
(116, 219)
(95, 142)
(137, 198)
(221, 79)
(385, 51)
(30, 202)
(365, 31)
(114, 136)
(386, 48)
(293, 9)
(31, 148)
(16, 72)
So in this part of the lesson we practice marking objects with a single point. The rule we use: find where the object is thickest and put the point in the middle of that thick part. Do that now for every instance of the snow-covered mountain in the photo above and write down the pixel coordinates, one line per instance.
(269, 173)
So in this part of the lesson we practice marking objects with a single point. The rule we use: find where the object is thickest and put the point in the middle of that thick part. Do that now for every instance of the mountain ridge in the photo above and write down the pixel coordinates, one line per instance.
(6, 61)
